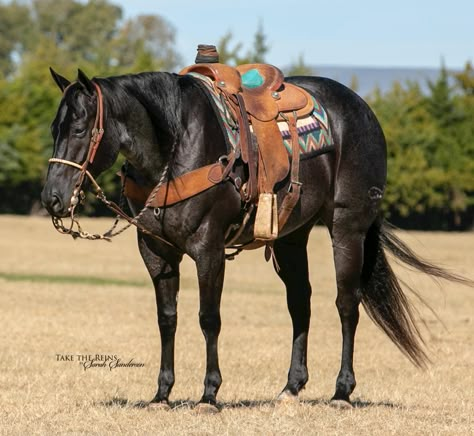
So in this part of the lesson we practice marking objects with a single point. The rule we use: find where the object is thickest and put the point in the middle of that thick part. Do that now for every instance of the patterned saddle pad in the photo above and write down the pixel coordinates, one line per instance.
(314, 132)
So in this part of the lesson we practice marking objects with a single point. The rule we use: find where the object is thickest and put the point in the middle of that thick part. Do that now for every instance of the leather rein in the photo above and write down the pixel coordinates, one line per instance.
(209, 175)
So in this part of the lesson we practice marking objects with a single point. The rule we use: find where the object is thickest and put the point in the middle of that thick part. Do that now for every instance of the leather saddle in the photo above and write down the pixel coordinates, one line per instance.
(266, 101)
(260, 98)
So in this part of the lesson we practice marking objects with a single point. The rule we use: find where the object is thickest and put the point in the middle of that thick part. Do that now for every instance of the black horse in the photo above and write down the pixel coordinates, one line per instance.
(165, 126)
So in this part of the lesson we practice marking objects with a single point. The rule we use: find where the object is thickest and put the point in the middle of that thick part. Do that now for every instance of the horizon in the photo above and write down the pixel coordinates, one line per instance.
(386, 67)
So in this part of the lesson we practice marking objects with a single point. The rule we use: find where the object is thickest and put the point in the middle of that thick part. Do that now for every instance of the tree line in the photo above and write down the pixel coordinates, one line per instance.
(430, 141)
(430, 136)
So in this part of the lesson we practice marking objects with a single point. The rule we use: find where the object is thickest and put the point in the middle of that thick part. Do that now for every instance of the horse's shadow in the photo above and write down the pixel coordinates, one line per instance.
(243, 404)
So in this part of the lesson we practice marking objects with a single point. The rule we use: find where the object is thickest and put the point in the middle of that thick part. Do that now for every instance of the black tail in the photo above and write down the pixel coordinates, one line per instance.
(382, 295)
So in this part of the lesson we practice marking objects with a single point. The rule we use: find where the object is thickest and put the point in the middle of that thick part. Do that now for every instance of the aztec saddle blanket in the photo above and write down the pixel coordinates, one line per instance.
(314, 132)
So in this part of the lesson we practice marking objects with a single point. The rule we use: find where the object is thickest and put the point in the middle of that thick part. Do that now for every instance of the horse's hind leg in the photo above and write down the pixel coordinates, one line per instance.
(348, 233)
(292, 259)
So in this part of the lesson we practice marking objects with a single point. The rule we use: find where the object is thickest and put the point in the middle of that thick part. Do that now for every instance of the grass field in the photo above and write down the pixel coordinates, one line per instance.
(62, 298)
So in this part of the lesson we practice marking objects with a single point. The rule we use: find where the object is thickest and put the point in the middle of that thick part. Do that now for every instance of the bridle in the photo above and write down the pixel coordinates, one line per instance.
(78, 195)
(96, 137)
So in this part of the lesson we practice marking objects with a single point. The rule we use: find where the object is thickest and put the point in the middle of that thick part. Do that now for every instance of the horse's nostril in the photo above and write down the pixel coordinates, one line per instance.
(53, 203)
(56, 203)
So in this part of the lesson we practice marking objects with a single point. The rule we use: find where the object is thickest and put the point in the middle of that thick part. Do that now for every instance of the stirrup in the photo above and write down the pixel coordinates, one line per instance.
(266, 220)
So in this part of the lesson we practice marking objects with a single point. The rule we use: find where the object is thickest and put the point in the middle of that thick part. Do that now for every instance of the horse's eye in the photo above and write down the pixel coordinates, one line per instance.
(79, 132)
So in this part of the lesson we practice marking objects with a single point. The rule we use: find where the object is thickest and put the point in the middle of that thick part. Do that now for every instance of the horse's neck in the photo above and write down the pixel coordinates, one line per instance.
(145, 140)
(167, 123)
(201, 139)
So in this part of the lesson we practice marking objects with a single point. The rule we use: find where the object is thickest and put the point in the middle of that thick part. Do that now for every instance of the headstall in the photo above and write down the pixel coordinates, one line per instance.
(78, 195)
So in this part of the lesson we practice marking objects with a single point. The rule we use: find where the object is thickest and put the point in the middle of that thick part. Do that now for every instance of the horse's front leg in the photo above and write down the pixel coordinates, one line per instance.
(210, 268)
(165, 276)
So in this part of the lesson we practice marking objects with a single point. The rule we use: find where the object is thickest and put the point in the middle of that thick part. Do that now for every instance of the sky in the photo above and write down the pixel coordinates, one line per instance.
(377, 33)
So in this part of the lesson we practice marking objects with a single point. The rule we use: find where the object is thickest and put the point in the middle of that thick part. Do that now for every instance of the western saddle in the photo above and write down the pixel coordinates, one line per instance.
(258, 99)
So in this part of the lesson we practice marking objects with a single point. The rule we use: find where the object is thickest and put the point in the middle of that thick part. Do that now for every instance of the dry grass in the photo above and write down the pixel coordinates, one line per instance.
(44, 317)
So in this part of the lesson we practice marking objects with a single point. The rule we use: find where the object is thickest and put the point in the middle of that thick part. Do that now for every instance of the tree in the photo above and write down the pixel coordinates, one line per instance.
(300, 68)
(453, 150)
(15, 31)
(232, 56)
(65, 34)
(354, 85)
(430, 142)
(146, 43)
(465, 80)
(228, 55)
(406, 125)
(89, 34)
(260, 47)
(83, 30)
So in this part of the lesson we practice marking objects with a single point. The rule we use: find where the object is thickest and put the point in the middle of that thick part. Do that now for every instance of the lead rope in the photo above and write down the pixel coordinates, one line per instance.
(82, 234)
(108, 235)
(152, 196)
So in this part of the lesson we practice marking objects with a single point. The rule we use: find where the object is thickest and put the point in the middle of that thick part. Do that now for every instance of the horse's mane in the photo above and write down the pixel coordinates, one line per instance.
(154, 90)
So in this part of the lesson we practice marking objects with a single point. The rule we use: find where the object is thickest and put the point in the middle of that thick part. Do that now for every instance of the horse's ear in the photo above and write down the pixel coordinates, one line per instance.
(85, 82)
(61, 81)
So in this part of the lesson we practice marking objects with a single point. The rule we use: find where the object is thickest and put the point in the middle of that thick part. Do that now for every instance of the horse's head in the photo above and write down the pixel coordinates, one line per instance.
(77, 132)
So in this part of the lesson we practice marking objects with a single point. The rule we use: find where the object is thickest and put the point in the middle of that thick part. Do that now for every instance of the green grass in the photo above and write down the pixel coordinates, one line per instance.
(85, 280)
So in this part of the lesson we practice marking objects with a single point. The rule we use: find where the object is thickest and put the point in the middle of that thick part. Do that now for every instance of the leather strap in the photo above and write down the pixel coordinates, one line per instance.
(248, 149)
(98, 129)
(181, 188)
(293, 195)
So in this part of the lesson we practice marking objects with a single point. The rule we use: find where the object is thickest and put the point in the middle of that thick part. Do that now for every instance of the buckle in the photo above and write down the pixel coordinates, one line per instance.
(224, 160)
(290, 186)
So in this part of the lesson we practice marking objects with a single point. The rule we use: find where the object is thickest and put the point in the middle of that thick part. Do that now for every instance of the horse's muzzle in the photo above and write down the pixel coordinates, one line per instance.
(53, 203)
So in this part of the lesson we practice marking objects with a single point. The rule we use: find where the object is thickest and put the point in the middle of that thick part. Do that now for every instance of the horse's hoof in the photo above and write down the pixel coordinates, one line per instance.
(162, 405)
(341, 404)
(286, 397)
(206, 409)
